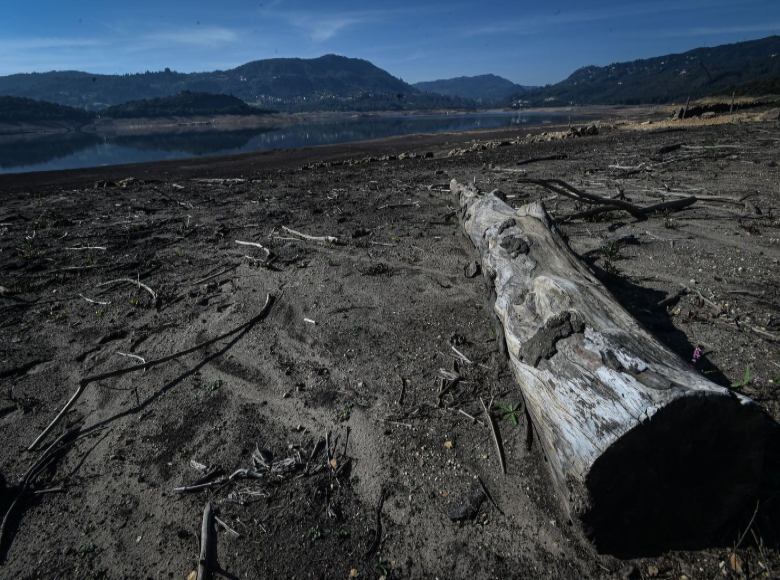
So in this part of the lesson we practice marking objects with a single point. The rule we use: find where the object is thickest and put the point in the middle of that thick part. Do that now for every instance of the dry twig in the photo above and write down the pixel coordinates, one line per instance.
(494, 432)
(327, 239)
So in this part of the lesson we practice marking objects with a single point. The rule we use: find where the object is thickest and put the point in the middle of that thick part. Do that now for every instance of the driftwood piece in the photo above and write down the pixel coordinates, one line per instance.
(644, 450)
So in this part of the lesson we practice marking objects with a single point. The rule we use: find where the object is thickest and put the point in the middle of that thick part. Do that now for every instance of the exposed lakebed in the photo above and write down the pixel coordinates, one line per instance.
(81, 149)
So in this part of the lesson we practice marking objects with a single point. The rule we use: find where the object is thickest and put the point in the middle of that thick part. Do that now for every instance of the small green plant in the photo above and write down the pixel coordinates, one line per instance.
(90, 527)
(346, 411)
(354, 480)
(745, 380)
(510, 412)
(341, 532)
(380, 566)
(612, 250)
(87, 548)
(211, 387)
(395, 239)
(315, 532)
(100, 313)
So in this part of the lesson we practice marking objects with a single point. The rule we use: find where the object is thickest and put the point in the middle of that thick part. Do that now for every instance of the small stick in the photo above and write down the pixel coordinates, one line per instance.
(490, 497)
(226, 527)
(472, 417)
(207, 278)
(200, 486)
(86, 248)
(403, 391)
(135, 356)
(131, 281)
(255, 244)
(328, 239)
(545, 158)
(462, 356)
(204, 562)
(378, 537)
(94, 301)
(83, 383)
(494, 432)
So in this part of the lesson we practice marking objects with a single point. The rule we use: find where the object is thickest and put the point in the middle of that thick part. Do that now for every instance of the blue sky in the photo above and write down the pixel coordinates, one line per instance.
(529, 43)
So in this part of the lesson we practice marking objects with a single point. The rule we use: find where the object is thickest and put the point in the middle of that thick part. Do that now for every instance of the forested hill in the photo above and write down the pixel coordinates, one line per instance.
(486, 88)
(22, 110)
(664, 79)
(330, 82)
(183, 104)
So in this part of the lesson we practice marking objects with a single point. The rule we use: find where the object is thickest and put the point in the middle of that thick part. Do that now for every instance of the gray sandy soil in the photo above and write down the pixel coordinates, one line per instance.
(332, 398)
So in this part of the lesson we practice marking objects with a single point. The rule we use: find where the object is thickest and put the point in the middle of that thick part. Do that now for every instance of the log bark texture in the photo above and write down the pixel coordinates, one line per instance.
(645, 452)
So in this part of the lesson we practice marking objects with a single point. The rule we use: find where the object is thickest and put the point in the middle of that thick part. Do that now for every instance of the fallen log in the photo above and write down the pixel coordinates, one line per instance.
(644, 451)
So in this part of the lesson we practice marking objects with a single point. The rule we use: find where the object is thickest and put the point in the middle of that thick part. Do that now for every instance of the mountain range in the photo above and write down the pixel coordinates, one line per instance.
(329, 82)
(485, 89)
(665, 79)
(337, 83)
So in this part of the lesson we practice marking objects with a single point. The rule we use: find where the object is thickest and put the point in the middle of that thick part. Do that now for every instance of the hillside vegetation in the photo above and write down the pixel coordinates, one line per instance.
(22, 110)
(664, 79)
(183, 104)
(290, 84)
(484, 88)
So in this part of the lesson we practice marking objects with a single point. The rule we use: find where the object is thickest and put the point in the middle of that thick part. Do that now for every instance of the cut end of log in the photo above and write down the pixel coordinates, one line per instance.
(675, 480)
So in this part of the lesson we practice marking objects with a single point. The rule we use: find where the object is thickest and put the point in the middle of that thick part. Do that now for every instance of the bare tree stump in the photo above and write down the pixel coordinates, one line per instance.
(645, 452)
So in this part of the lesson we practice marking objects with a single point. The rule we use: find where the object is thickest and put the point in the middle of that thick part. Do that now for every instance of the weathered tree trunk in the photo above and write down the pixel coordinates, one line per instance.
(645, 452)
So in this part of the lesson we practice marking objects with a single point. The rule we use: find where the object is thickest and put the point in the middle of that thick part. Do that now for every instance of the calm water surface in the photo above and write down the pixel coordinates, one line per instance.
(75, 150)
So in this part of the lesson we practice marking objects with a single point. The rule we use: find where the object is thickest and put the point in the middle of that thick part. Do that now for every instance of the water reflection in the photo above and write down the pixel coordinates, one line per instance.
(75, 150)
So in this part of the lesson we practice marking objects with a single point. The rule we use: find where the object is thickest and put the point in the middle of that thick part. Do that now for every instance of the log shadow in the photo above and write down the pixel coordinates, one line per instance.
(642, 304)
(757, 522)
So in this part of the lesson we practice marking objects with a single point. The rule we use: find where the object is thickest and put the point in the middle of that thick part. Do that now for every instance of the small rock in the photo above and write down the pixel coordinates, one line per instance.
(693, 282)
(470, 509)
(652, 571)
(471, 269)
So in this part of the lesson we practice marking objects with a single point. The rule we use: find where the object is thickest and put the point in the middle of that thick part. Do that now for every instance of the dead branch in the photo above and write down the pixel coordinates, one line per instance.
(204, 562)
(94, 301)
(83, 383)
(131, 281)
(327, 239)
(562, 188)
(255, 244)
(29, 477)
(545, 158)
(674, 204)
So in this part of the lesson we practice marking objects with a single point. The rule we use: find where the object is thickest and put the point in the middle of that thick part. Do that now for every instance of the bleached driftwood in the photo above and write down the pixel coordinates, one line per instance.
(643, 449)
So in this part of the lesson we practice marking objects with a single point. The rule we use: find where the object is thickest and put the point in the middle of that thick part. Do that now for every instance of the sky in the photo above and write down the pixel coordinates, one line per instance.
(530, 43)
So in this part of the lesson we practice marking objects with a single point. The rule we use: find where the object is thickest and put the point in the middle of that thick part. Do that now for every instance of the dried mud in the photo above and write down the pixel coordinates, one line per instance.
(350, 353)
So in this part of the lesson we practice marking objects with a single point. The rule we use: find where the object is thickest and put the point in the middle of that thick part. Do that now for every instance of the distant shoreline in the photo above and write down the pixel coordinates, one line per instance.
(235, 122)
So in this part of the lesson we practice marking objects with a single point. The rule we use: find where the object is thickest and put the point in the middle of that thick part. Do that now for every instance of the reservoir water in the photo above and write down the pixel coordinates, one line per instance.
(76, 150)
